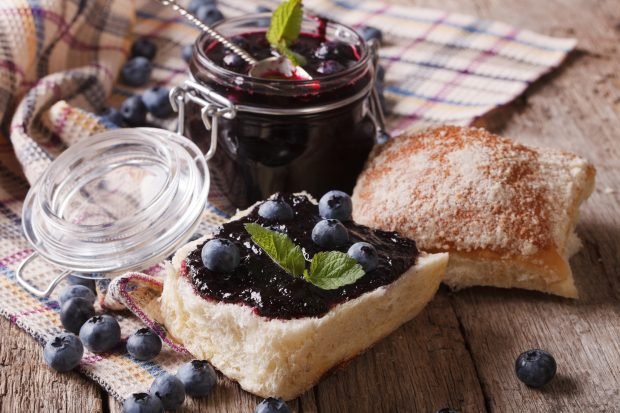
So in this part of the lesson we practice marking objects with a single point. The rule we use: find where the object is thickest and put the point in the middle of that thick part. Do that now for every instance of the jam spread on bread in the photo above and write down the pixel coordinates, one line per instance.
(272, 292)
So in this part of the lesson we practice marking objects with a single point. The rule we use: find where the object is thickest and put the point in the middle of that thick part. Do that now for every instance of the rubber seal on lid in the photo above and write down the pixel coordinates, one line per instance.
(117, 201)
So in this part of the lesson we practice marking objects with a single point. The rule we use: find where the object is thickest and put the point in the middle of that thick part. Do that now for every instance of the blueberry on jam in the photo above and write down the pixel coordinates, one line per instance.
(261, 284)
(322, 57)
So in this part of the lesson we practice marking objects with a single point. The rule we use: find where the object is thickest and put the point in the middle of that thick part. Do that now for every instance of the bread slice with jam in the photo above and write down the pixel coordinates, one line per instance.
(277, 334)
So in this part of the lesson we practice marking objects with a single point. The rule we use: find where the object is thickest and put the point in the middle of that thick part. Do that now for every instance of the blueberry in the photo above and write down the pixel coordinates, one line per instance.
(380, 74)
(72, 291)
(143, 344)
(220, 255)
(535, 367)
(169, 389)
(144, 47)
(209, 14)
(63, 352)
(241, 42)
(272, 405)
(334, 50)
(365, 254)
(134, 110)
(233, 60)
(112, 117)
(198, 377)
(74, 313)
(330, 233)
(276, 210)
(329, 67)
(263, 9)
(100, 333)
(136, 71)
(157, 101)
(87, 282)
(371, 33)
(142, 403)
(194, 5)
(336, 205)
(187, 52)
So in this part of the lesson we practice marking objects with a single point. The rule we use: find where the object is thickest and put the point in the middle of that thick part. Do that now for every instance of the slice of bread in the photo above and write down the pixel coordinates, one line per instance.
(283, 358)
(505, 212)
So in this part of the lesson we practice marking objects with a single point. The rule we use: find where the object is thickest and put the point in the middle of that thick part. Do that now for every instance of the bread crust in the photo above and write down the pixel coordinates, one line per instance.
(506, 212)
(283, 358)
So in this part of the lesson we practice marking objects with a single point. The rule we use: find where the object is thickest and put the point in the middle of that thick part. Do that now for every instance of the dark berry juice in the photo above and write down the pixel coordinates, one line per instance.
(288, 135)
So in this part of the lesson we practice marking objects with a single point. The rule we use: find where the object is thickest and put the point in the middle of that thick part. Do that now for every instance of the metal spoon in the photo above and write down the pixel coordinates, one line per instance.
(264, 68)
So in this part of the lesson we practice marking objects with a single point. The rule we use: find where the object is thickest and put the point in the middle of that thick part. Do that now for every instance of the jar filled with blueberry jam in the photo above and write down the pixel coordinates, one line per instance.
(277, 133)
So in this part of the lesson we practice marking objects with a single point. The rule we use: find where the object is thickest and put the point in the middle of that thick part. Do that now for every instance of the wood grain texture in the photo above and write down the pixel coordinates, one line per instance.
(460, 351)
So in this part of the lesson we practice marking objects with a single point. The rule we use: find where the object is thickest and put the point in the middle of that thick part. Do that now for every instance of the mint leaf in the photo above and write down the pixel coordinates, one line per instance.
(279, 247)
(285, 27)
(331, 270)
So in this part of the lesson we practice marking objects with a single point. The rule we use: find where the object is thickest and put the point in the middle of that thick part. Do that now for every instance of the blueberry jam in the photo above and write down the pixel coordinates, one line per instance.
(318, 52)
(261, 284)
(287, 135)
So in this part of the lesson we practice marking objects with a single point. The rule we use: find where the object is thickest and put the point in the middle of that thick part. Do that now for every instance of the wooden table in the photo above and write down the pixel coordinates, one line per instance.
(460, 351)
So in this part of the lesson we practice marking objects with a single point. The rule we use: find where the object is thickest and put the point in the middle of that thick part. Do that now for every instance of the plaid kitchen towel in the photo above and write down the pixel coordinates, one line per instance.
(59, 60)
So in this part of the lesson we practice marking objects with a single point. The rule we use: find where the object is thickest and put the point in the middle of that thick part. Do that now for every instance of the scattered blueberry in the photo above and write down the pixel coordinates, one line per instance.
(277, 210)
(169, 389)
(136, 71)
(63, 352)
(74, 313)
(220, 255)
(329, 67)
(330, 233)
(100, 333)
(194, 5)
(112, 117)
(144, 344)
(142, 403)
(535, 367)
(72, 291)
(336, 205)
(371, 33)
(334, 50)
(365, 254)
(87, 282)
(133, 110)
(198, 377)
(209, 14)
(144, 47)
(380, 73)
(187, 52)
(263, 9)
(232, 60)
(272, 405)
(157, 101)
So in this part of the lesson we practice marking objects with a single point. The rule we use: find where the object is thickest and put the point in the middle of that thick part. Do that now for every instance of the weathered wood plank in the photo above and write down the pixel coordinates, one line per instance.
(577, 110)
(421, 367)
(28, 385)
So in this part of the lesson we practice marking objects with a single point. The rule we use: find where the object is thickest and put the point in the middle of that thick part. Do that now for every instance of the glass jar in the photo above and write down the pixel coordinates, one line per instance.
(282, 135)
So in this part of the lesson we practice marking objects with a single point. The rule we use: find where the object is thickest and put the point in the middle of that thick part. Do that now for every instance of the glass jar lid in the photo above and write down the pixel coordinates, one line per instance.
(117, 201)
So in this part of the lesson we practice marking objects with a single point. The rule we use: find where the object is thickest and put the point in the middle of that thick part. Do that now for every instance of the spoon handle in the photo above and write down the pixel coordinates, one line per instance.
(229, 45)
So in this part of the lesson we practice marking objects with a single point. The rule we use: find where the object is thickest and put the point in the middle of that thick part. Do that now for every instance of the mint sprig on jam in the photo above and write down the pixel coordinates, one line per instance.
(328, 270)
(279, 247)
(285, 28)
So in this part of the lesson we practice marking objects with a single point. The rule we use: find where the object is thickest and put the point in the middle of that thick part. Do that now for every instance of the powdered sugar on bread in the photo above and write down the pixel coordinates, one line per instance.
(465, 189)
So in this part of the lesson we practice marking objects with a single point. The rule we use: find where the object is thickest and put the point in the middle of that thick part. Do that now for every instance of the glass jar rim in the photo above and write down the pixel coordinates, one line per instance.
(274, 84)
